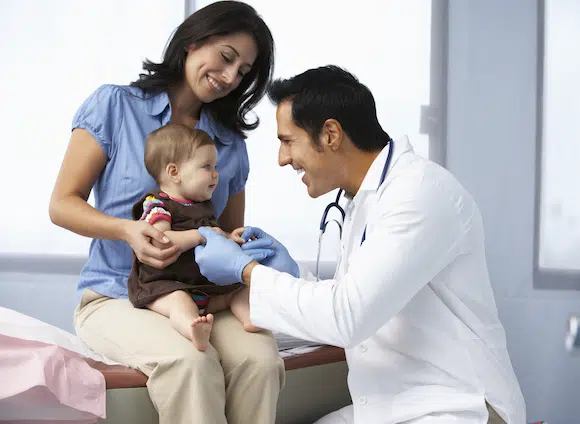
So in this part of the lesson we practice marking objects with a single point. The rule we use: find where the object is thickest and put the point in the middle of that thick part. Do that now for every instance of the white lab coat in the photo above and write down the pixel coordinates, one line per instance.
(413, 306)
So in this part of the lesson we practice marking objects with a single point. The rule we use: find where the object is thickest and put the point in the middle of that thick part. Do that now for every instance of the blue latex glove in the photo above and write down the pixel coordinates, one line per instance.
(281, 260)
(221, 260)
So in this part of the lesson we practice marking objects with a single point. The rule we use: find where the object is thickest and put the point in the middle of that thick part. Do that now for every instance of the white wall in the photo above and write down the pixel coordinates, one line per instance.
(386, 44)
(54, 55)
(491, 149)
(53, 68)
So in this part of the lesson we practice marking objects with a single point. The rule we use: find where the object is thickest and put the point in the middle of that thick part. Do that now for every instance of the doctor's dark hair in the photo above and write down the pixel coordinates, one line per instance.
(330, 92)
(217, 19)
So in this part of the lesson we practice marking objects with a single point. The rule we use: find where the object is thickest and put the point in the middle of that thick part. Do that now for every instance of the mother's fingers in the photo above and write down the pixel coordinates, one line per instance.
(156, 257)
(160, 263)
(154, 233)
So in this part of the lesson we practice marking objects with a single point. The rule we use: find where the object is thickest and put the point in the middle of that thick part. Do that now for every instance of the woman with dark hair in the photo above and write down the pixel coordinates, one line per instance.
(215, 69)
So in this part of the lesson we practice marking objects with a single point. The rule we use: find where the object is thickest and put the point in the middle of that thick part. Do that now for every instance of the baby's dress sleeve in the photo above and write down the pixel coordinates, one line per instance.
(154, 209)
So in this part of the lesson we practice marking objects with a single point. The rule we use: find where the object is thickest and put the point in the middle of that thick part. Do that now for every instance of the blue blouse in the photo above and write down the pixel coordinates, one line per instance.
(120, 118)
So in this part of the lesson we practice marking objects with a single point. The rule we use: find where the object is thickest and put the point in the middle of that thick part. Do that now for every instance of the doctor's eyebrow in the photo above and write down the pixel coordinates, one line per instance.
(284, 137)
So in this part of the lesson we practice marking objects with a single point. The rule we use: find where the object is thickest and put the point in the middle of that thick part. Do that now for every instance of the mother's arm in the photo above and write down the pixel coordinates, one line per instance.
(82, 164)
(233, 215)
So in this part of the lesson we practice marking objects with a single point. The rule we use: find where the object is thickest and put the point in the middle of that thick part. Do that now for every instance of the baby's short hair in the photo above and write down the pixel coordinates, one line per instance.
(172, 143)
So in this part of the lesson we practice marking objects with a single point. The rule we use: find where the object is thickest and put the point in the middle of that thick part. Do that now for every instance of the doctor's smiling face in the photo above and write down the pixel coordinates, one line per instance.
(317, 161)
(328, 128)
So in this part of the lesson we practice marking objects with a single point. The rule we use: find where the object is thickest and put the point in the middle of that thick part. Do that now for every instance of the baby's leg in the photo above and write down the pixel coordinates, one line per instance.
(240, 307)
(183, 313)
(220, 302)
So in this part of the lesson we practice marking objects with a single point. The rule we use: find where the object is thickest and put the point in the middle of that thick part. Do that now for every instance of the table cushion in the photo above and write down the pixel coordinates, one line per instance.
(121, 377)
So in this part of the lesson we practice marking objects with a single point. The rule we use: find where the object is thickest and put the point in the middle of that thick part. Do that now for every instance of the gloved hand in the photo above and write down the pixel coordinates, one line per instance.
(281, 260)
(221, 260)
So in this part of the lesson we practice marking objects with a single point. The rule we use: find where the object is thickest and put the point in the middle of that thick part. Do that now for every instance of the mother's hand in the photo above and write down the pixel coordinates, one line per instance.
(142, 236)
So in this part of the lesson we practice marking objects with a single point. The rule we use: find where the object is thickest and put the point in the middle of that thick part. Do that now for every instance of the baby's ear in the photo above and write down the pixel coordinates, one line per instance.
(172, 171)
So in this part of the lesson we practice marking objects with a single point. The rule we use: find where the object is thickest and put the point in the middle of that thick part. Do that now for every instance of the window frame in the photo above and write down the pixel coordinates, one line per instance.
(543, 278)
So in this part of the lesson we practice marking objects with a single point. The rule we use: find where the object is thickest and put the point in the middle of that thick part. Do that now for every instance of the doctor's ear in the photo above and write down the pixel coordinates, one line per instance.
(331, 134)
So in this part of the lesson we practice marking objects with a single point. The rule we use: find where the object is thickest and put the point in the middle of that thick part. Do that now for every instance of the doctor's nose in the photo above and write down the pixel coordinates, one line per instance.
(283, 157)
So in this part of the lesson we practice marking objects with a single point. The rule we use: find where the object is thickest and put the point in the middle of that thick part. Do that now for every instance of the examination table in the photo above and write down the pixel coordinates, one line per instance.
(315, 385)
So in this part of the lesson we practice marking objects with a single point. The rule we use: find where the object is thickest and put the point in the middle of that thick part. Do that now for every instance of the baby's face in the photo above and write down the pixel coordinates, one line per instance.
(198, 175)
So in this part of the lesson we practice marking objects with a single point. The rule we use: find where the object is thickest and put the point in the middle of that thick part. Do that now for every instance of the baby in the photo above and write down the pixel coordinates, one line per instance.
(183, 163)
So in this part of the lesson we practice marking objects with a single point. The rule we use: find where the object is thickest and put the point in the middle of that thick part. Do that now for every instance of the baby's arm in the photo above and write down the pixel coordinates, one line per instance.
(156, 213)
(162, 226)
(186, 240)
(234, 235)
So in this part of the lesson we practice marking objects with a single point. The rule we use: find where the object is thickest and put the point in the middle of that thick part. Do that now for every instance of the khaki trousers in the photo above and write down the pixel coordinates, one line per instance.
(236, 380)
(494, 418)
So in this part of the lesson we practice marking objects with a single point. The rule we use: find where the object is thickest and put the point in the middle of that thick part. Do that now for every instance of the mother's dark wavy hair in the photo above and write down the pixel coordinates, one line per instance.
(217, 19)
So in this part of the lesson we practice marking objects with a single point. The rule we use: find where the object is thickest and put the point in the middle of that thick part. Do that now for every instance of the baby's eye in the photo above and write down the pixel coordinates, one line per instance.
(208, 166)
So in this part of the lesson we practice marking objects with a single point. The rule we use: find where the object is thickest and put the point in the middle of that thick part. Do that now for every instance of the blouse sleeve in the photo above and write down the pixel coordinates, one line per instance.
(238, 182)
(101, 114)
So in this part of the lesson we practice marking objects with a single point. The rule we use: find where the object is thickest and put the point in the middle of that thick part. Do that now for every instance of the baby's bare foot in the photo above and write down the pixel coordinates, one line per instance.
(200, 331)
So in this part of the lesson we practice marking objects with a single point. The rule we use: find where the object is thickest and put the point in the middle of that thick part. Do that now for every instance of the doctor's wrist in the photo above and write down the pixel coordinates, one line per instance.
(247, 273)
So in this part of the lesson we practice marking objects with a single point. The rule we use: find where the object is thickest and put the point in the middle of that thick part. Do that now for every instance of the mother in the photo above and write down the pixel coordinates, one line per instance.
(214, 71)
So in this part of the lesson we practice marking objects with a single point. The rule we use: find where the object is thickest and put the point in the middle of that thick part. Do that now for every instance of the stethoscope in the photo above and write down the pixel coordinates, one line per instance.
(324, 222)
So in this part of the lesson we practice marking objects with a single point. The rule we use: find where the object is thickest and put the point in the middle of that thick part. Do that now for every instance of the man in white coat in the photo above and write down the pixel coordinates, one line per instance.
(411, 301)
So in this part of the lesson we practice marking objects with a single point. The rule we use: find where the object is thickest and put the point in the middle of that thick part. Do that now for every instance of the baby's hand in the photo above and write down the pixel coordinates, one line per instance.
(220, 232)
(236, 235)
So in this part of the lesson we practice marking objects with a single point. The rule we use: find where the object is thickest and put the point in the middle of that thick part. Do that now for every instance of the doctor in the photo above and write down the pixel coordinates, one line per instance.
(411, 301)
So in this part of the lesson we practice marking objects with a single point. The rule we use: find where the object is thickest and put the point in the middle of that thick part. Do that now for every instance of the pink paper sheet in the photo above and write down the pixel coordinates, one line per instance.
(41, 382)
